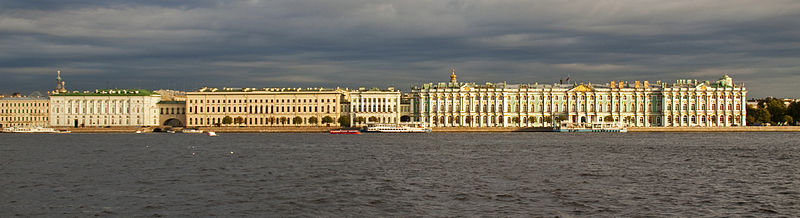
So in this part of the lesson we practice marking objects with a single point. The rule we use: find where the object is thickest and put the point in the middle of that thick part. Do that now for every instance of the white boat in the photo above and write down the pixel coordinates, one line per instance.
(211, 133)
(138, 131)
(36, 129)
(191, 131)
(590, 127)
(397, 128)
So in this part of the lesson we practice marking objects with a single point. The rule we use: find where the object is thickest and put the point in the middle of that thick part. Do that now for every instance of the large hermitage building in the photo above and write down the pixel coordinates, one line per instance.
(683, 103)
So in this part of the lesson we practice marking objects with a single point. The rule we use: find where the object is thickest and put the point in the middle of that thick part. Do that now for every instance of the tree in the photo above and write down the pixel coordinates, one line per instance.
(327, 119)
(776, 108)
(238, 120)
(561, 118)
(531, 119)
(468, 119)
(313, 120)
(360, 120)
(227, 120)
(297, 120)
(758, 115)
(344, 121)
(284, 120)
(787, 119)
(515, 119)
(373, 119)
(608, 118)
(794, 110)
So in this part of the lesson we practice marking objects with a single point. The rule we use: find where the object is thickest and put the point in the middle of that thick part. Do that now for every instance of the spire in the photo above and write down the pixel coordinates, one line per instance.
(453, 76)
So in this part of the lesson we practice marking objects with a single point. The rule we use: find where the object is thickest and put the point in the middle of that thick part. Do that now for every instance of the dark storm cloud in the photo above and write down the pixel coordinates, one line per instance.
(187, 44)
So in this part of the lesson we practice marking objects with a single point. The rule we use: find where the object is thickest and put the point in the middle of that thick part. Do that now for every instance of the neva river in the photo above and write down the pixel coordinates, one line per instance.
(368, 175)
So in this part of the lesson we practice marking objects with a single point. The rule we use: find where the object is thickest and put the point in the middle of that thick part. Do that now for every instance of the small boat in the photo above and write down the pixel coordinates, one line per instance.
(138, 131)
(345, 131)
(211, 133)
(590, 127)
(191, 131)
(170, 131)
(397, 128)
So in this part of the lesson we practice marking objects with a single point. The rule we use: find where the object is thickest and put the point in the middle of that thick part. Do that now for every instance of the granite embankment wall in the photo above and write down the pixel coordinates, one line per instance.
(492, 129)
(267, 129)
(631, 129)
(717, 129)
(131, 129)
(443, 129)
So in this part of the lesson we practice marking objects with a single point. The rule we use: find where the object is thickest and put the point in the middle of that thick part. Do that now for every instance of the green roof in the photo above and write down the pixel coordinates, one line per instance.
(109, 92)
(171, 102)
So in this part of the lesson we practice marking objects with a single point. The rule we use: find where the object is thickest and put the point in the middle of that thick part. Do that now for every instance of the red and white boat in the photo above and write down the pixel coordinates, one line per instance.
(345, 131)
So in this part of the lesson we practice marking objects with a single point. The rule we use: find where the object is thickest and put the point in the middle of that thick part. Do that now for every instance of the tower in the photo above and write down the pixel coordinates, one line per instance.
(453, 76)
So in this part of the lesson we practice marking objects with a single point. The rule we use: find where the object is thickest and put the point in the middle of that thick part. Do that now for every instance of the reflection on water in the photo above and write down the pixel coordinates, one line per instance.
(439, 174)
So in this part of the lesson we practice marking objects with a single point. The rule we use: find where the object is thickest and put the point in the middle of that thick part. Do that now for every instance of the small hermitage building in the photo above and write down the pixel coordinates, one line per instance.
(373, 106)
(686, 103)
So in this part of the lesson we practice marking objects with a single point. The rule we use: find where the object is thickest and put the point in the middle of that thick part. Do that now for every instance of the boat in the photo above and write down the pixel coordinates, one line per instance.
(171, 131)
(138, 131)
(211, 133)
(397, 128)
(191, 131)
(345, 131)
(36, 129)
(590, 127)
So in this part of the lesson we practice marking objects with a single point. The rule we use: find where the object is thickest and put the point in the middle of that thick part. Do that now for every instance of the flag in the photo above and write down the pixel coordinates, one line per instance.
(567, 78)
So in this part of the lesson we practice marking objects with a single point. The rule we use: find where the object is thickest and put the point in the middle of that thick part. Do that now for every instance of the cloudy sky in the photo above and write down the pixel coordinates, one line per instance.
(350, 43)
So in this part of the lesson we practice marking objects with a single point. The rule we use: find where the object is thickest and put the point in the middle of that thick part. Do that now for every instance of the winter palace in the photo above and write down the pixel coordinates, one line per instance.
(683, 103)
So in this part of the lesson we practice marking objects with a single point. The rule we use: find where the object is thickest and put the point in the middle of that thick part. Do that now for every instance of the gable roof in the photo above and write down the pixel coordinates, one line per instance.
(582, 88)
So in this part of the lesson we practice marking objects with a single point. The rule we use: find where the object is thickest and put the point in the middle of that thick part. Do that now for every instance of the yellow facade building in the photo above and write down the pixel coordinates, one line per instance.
(24, 112)
(263, 107)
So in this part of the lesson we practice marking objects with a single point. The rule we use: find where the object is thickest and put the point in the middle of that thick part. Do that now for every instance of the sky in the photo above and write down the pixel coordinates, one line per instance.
(185, 45)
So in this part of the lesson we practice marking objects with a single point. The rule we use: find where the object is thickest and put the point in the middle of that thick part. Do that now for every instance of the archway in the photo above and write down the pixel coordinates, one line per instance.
(583, 119)
(173, 122)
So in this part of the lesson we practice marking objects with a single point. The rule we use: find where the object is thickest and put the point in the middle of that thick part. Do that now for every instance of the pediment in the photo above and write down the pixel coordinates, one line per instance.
(582, 88)
(466, 87)
(702, 86)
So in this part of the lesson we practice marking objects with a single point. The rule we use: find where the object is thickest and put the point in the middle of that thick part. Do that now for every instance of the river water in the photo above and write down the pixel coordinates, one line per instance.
(368, 175)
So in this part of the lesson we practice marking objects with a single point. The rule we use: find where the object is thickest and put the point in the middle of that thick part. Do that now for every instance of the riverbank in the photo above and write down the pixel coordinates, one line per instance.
(717, 129)
(323, 129)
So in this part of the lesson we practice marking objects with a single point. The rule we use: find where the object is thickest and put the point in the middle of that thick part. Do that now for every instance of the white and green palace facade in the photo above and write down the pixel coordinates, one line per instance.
(685, 103)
